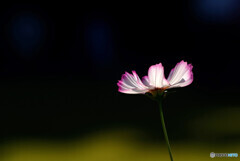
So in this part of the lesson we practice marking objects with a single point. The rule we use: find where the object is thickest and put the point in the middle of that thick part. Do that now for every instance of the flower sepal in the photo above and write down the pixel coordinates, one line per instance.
(156, 95)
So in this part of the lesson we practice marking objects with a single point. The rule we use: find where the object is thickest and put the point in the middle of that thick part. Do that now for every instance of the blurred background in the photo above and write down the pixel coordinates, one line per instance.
(59, 65)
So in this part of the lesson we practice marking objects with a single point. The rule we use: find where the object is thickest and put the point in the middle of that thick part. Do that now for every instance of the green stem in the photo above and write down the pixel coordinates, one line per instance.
(165, 130)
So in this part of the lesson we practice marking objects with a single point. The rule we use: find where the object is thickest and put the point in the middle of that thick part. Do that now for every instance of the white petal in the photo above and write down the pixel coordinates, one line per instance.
(129, 80)
(156, 76)
(181, 75)
(145, 81)
(138, 80)
(177, 73)
(131, 84)
(124, 85)
(132, 91)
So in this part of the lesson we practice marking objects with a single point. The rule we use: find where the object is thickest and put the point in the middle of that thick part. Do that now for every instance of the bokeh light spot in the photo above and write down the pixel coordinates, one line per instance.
(217, 10)
(99, 42)
(26, 33)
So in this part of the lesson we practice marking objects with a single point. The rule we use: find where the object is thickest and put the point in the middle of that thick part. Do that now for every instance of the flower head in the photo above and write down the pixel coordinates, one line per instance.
(180, 76)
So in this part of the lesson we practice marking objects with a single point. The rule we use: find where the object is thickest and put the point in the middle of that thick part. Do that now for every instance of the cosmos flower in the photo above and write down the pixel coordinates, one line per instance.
(180, 76)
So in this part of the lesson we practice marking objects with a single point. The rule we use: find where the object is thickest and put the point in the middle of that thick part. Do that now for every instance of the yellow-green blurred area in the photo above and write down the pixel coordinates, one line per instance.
(109, 146)
(209, 132)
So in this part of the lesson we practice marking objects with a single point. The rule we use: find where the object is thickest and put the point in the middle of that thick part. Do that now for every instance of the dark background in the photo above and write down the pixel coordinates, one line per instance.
(59, 65)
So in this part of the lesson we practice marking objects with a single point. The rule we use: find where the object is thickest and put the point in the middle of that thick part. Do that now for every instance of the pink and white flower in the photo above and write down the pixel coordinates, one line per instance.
(180, 76)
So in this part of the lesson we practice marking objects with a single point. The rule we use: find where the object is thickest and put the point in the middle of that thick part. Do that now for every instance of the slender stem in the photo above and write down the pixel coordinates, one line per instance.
(165, 130)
